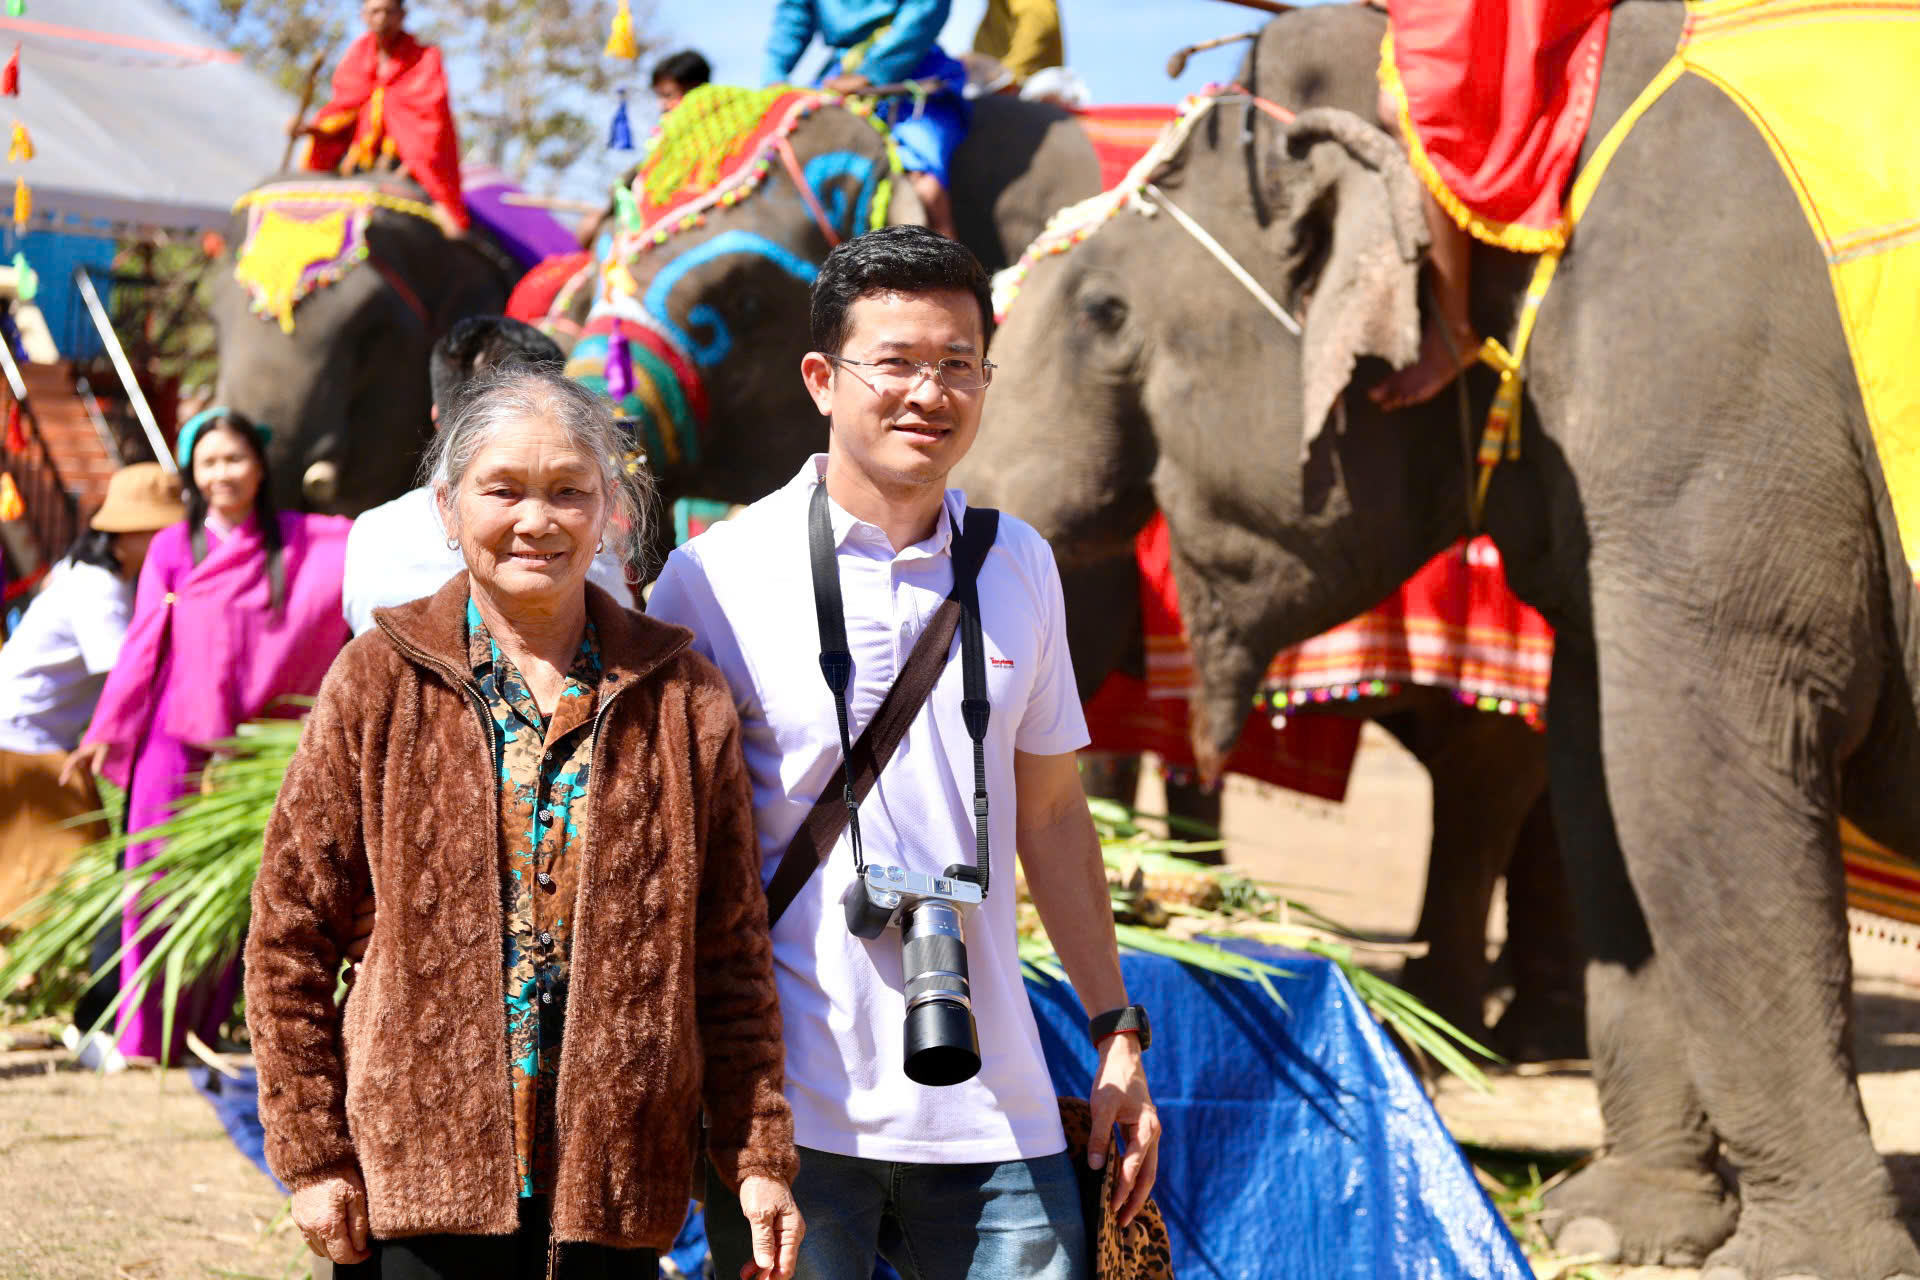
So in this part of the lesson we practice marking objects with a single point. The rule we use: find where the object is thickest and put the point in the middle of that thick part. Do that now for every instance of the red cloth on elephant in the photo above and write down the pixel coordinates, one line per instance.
(400, 108)
(533, 297)
(1495, 99)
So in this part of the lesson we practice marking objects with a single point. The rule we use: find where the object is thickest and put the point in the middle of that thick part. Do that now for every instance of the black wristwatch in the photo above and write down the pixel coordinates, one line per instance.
(1132, 1018)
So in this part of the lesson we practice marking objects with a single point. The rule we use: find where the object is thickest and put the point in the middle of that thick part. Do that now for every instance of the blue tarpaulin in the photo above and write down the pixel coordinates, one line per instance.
(1298, 1144)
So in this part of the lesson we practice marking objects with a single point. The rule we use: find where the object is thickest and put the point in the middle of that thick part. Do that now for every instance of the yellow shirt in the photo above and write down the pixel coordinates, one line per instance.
(1023, 34)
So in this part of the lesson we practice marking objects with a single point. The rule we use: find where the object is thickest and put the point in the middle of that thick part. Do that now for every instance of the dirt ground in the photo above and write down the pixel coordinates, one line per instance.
(130, 1177)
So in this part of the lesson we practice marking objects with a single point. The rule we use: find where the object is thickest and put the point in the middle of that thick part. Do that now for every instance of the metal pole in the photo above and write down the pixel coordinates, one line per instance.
(118, 355)
(90, 403)
(15, 382)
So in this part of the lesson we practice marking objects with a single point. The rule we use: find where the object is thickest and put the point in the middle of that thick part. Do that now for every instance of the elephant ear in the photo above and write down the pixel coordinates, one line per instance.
(1348, 196)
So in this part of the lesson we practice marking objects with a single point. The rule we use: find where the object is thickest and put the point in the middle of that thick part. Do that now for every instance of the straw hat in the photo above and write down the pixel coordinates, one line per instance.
(141, 498)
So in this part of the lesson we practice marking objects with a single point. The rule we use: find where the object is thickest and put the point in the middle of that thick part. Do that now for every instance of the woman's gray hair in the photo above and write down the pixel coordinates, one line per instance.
(501, 397)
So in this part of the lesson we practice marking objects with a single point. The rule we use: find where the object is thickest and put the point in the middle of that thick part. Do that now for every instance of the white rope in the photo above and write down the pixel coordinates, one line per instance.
(1225, 259)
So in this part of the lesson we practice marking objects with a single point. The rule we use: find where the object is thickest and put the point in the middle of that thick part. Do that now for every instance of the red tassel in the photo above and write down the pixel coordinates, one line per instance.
(10, 74)
(16, 433)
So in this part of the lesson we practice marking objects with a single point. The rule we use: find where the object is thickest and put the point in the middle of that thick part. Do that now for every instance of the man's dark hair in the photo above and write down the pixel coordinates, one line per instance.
(892, 260)
(95, 547)
(686, 68)
(480, 343)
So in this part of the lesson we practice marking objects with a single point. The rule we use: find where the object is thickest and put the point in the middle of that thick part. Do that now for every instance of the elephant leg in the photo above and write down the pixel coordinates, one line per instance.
(1654, 1197)
(1110, 775)
(1487, 771)
(1195, 803)
(1724, 794)
(1547, 1019)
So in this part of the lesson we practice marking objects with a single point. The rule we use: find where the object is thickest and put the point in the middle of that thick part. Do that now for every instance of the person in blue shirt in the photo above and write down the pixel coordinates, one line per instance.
(882, 42)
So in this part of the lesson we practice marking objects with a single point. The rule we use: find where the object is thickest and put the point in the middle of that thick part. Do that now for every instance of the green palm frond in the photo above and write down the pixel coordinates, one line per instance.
(1246, 907)
(195, 893)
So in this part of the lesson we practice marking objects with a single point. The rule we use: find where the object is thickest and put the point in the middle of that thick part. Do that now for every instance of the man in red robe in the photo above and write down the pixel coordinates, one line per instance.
(390, 109)
(1493, 98)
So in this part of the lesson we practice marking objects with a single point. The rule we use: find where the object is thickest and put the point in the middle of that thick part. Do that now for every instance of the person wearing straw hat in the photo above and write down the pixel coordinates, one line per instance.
(52, 671)
(237, 610)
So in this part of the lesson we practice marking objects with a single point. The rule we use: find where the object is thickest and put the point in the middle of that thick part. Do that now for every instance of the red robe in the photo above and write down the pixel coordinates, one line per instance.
(1495, 97)
(399, 110)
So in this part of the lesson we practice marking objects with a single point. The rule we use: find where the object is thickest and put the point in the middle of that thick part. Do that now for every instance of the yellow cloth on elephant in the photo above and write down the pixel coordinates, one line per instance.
(1831, 88)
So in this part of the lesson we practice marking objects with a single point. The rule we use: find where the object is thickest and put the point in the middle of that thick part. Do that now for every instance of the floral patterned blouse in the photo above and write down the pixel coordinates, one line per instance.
(543, 813)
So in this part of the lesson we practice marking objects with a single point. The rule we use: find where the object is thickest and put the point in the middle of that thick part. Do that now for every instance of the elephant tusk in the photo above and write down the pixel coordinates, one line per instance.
(321, 483)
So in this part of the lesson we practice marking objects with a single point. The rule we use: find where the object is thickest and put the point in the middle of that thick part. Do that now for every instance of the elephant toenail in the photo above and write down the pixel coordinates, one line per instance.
(1589, 1238)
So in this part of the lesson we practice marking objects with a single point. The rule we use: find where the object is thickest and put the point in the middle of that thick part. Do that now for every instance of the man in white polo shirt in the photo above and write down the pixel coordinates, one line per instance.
(967, 1180)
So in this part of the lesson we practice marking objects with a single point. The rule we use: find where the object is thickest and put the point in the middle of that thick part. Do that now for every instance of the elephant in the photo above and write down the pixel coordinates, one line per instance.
(735, 291)
(1490, 816)
(732, 293)
(1697, 509)
(345, 390)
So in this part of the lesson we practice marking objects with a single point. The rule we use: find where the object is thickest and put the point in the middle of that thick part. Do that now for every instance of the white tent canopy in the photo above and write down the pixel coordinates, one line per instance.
(137, 118)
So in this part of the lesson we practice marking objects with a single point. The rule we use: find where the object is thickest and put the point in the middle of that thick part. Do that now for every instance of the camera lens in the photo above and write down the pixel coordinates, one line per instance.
(942, 1043)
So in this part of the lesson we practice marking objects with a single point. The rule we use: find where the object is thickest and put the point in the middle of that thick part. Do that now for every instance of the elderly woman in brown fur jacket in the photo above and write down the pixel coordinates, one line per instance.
(543, 794)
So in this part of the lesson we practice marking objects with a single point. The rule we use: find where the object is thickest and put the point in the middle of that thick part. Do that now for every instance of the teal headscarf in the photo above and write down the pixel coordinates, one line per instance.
(197, 425)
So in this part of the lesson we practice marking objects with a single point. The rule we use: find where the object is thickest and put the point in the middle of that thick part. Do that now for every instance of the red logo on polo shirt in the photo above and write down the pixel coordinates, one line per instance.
(1001, 662)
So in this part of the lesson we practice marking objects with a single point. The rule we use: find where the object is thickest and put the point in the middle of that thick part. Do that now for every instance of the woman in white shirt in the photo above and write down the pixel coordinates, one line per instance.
(52, 670)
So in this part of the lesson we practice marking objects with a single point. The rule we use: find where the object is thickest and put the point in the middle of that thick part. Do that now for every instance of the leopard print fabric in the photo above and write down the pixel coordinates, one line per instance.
(1141, 1251)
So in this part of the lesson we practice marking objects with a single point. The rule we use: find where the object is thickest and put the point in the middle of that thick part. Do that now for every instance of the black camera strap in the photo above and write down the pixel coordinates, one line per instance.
(861, 762)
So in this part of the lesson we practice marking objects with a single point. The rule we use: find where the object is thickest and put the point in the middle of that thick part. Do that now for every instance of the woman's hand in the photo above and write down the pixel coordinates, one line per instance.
(85, 760)
(332, 1215)
(774, 1220)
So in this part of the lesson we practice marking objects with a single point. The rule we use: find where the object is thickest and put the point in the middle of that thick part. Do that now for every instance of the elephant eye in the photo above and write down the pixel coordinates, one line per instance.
(1104, 311)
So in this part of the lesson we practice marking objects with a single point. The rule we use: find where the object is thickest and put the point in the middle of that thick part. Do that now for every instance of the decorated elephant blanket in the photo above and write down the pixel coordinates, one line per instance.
(1831, 87)
(304, 235)
(1455, 625)
(1121, 135)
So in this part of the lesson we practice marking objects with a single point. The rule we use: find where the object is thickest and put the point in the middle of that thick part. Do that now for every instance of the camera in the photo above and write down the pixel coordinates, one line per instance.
(942, 1043)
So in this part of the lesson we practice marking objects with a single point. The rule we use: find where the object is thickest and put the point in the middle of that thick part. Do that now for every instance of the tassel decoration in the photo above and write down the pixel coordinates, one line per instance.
(26, 281)
(20, 148)
(619, 365)
(16, 432)
(10, 74)
(22, 204)
(620, 41)
(620, 132)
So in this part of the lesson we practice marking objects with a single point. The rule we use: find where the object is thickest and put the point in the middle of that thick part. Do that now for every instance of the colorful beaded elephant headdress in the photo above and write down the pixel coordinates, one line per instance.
(718, 146)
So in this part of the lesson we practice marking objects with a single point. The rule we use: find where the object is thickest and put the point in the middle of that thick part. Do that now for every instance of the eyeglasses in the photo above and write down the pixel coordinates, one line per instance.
(897, 373)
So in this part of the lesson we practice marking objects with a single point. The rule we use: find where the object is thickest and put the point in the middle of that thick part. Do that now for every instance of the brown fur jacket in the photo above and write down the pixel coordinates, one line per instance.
(672, 1001)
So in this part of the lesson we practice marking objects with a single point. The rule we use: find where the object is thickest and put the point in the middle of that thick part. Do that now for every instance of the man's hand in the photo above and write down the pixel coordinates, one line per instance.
(847, 82)
(1120, 1097)
(774, 1220)
(84, 761)
(332, 1215)
(362, 930)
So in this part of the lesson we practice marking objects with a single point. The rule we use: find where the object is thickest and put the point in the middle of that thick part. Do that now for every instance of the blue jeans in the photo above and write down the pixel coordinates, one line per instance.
(1014, 1221)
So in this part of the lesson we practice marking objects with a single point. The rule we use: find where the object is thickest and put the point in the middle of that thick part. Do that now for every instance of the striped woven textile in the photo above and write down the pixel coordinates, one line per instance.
(1121, 135)
(1454, 625)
